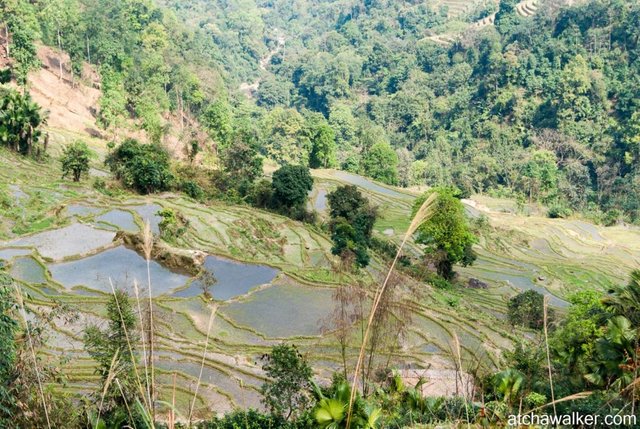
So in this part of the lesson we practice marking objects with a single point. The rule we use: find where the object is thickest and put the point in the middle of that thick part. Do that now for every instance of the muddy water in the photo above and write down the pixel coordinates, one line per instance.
(28, 270)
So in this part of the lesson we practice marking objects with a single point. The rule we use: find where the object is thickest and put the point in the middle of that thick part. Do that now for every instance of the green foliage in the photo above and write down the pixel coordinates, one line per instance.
(526, 309)
(114, 351)
(172, 224)
(246, 419)
(323, 151)
(8, 332)
(273, 92)
(192, 189)
(286, 137)
(75, 160)
(20, 122)
(352, 220)
(261, 194)
(217, 120)
(291, 186)
(380, 162)
(507, 18)
(286, 393)
(113, 99)
(557, 211)
(573, 342)
(541, 175)
(331, 410)
(143, 167)
(446, 235)
(242, 166)
(21, 22)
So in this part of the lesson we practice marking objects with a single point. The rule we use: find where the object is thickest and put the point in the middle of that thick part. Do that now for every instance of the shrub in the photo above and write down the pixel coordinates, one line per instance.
(526, 309)
(291, 185)
(75, 160)
(245, 419)
(558, 211)
(261, 194)
(142, 167)
(192, 189)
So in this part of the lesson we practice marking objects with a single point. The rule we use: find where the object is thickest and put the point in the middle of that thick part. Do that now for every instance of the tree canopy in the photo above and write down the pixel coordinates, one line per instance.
(446, 236)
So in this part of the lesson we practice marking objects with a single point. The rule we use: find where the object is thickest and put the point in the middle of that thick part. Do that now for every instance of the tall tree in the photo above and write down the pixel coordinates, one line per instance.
(352, 220)
(381, 163)
(286, 393)
(20, 121)
(75, 160)
(291, 186)
(323, 151)
(446, 236)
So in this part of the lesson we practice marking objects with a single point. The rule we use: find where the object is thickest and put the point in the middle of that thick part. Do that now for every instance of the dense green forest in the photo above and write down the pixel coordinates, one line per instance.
(541, 108)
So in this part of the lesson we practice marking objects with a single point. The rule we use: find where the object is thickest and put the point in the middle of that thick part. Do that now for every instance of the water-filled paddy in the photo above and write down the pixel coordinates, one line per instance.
(82, 210)
(71, 240)
(18, 193)
(232, 278)
(520, 279)
(122, 219)
(367, 184)
(28, 270)
(148, 213)
(320, 203)
(122, 265)
(283, 310)
(12, 252)
(229, 384)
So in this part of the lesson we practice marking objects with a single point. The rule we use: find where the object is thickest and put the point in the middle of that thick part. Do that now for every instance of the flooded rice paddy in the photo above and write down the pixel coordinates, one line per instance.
(120, 265)
(75, 239)
(282, 311)
(232, 278)
(257, 305)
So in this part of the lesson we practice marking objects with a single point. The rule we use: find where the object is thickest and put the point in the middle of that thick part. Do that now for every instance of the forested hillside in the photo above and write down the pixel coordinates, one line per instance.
(539, 108)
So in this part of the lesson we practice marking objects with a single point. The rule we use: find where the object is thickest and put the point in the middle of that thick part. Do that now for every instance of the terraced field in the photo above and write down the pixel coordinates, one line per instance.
(525, 9)
(275, 276)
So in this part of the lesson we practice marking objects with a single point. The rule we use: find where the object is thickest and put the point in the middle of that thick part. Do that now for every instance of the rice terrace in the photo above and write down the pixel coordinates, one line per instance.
(239, 214)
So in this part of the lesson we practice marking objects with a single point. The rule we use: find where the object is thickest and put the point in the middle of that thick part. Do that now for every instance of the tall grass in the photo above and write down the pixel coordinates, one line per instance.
(147, 246)
(23, 312)
(423, 214)
(144, 342)
(214, 309)
(545, 306)
(130, 348)
(111, 375)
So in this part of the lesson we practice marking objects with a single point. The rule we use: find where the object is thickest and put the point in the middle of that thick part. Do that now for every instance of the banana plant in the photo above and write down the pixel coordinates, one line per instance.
(331, 413)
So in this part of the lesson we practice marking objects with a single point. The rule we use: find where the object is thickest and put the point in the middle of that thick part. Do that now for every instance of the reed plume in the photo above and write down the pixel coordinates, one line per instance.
(425, 211)
(124, 398)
